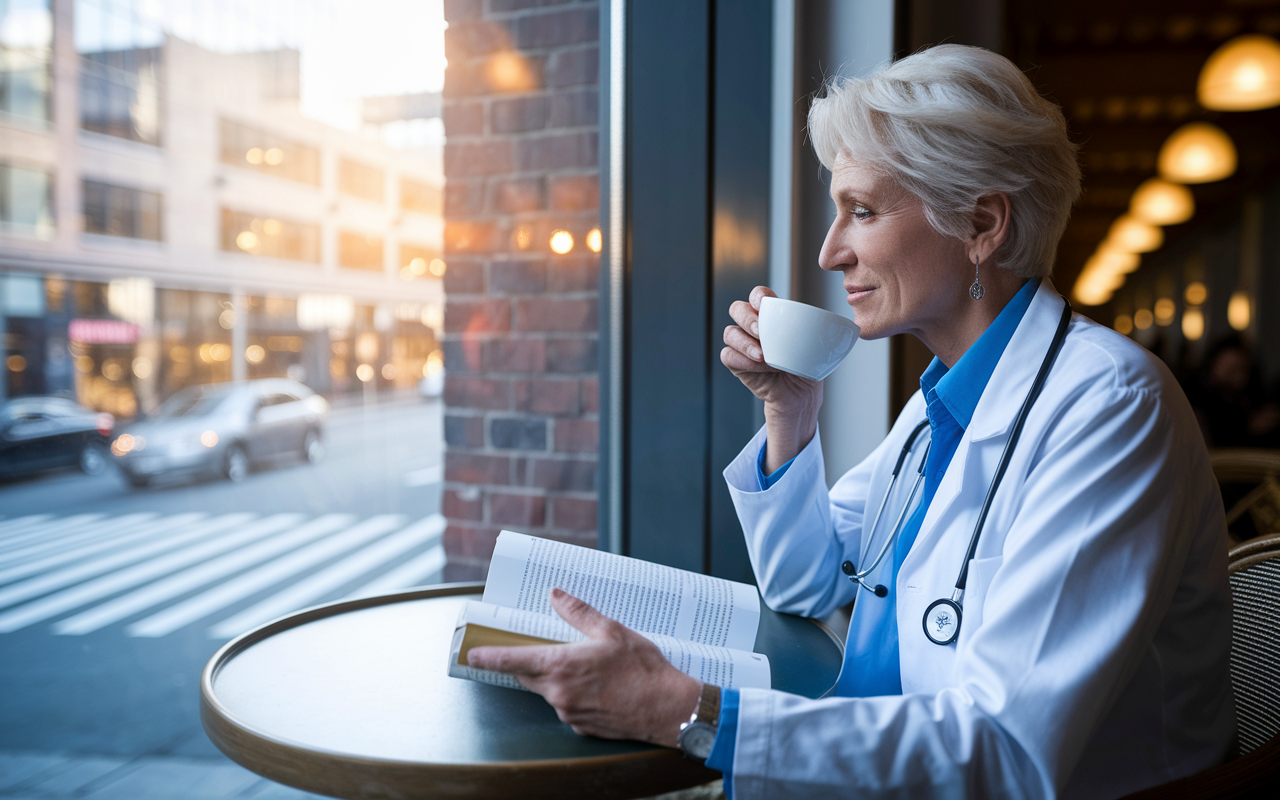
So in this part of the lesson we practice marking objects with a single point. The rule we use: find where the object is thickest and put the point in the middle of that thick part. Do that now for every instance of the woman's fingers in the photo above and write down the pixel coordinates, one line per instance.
(745, 315)
(759, 292)
(739, 340)
(739, 364)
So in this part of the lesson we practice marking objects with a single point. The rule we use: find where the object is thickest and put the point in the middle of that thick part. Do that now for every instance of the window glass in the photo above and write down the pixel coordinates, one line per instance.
(121, 211)
(360, 180)
(249, 147)
(26, 58)
(416, 196)
(360, 251)
(261, 235)
(26, 201)
(121, 69)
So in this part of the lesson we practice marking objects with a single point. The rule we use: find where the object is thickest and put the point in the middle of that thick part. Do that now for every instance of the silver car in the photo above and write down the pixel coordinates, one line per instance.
(221, 429)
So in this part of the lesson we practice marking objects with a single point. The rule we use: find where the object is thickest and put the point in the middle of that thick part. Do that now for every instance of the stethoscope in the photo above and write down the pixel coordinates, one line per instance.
(942, 618)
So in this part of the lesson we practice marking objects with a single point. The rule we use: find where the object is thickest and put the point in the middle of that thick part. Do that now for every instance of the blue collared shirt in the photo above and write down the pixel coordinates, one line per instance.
(871, 666)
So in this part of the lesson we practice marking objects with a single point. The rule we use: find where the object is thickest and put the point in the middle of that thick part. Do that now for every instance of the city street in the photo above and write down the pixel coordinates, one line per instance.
(112, 599)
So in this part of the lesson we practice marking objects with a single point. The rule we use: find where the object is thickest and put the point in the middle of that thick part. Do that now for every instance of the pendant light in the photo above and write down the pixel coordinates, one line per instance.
(1158, 202)
(1241, 75)
(1129, 234)
(1198, 152)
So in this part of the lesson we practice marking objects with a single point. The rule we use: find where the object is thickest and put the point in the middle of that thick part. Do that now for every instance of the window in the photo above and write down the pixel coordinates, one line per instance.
(358, 251)
(259, 235)
(416, 196)
(359, 180)
(26, 201)
(251, 148)
(26, 56)
(419, 261)
(121, 70)
(121, 211)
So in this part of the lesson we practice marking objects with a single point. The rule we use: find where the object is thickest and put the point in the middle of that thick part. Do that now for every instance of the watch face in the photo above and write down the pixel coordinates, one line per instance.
(697, 738)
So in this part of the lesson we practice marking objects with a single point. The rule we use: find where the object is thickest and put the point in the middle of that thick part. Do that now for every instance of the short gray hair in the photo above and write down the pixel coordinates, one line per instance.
(951, 124)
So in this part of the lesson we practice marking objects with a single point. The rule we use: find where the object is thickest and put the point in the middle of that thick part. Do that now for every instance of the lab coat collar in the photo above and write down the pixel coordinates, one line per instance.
(1017, 368)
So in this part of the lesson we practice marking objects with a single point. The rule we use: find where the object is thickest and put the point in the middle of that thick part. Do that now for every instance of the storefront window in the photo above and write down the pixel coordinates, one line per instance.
(424, 199)
(360, 251)
(26, 58)
(122, 211)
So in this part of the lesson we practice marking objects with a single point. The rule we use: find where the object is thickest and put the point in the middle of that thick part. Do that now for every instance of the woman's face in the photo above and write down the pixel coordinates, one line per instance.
(901, 275)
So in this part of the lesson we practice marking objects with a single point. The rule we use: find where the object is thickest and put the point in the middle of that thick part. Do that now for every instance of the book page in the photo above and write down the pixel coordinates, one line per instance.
(647, 597)
(481, 623)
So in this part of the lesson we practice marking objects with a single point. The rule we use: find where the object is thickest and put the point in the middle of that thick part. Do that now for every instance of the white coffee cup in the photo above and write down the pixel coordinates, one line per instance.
(802, 339)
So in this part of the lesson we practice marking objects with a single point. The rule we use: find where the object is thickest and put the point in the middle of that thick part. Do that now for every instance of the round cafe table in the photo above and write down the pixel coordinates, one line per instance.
(351, 700)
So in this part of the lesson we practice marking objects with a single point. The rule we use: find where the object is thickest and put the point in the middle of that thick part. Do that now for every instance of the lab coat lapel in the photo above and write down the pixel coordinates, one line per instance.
(994, 414)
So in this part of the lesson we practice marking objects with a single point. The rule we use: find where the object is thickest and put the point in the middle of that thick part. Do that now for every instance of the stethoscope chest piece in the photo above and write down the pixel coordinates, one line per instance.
(942, 621)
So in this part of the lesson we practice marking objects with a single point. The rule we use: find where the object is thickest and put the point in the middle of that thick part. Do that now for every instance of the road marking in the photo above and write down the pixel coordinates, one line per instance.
(264, 577)
(50, 581)
(107, 585)
(313, 587)
(424, 477)
(36, 558)
(16, 524)
(411, 573)
(54, 528)
(184, 582)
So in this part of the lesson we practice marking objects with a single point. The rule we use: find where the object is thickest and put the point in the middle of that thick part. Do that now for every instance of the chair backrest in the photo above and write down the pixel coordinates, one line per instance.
(1254, 572)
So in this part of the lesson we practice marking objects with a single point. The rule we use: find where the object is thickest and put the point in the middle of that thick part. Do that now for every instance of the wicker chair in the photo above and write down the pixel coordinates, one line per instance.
(1256, 474)
(1255, 676)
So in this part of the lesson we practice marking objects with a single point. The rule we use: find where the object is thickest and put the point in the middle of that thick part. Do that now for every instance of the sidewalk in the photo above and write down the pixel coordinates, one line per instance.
(30, 775)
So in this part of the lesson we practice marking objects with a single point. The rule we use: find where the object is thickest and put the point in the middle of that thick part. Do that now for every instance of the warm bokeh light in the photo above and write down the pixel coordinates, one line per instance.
(418, 266)
(272, 227)
(1241, 75)
(1193, 323)
(523, 238)
(1198, 152)
(203, 353)
(1124, 324)
(389, 371)
(364, 372)
(247, 240)
(1114, 262)
(435, 363)
(437, 267)
(209, 438)
(1196, 293)
(16, 363)
(1165, 309)
(124, 443)
(112, 370)
(594, 240)
(84, 364)
(227, 319)
(1239, 310)
(254, 156)
(561, 242)
(254, 354)
(219, 352)
(1129, 234)
(1143, 318)
(274, 156)
(142, 367)
(1159, 202)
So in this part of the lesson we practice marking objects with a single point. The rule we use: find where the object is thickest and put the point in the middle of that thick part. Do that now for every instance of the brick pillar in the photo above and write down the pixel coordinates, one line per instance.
(521, 162)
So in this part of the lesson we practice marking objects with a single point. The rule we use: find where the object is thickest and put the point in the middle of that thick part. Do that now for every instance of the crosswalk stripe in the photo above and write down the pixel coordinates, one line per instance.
(19, 524)
(184, 582)
(312, 588)
(50, 530)
(107, 585)
(49, 581)
(263, 577)
(411, 573)
(108, 536)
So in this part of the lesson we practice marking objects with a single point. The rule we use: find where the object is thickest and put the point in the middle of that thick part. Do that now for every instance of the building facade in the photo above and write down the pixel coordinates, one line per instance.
(169, 218)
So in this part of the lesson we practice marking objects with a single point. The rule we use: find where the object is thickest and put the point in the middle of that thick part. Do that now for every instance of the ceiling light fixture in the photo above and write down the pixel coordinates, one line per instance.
(1129, 234)
(1158, 202)
(1198, 152)
(1242, 75)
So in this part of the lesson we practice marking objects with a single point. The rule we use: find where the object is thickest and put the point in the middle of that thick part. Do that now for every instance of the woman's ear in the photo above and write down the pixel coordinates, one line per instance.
(991, 218)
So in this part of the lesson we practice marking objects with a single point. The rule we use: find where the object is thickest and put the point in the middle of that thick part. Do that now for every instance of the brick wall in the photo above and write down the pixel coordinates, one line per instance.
(521, 393)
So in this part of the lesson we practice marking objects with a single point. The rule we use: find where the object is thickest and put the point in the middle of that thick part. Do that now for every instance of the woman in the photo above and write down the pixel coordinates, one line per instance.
(1087, 654)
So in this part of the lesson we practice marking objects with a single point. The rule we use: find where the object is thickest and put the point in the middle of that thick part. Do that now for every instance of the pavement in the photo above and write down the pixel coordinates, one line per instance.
(113, 599)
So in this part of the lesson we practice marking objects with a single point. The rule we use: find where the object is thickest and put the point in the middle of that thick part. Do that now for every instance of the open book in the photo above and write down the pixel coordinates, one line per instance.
(705, 626)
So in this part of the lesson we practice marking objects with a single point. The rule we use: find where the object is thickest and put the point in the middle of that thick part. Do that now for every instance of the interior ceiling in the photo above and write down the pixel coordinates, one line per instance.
(1125, 75)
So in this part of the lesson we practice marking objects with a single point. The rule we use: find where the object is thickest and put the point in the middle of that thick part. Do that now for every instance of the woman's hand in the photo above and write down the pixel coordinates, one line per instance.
(791, 403)
(615, 685)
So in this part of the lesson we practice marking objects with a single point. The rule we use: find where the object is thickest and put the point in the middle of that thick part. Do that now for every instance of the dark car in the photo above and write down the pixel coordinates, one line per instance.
(41, 433)
(221, 428)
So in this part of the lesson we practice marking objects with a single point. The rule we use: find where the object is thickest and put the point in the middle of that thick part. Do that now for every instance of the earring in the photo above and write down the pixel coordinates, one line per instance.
(976, 291)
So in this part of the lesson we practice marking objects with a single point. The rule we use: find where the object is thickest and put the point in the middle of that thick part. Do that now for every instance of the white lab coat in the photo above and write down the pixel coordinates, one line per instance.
(1092, 659)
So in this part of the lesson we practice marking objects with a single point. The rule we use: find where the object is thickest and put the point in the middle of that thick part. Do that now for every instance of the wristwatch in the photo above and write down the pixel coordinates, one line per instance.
(699, 733)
